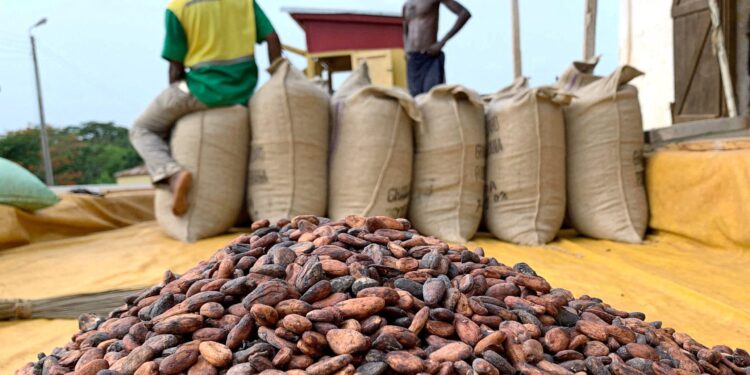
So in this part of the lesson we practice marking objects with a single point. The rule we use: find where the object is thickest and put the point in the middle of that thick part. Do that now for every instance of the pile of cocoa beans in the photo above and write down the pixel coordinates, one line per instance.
(370, 296)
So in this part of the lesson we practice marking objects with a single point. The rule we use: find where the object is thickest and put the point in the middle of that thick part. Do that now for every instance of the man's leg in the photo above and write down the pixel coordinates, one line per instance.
(434, 73)
(414, 74)
(150, 136)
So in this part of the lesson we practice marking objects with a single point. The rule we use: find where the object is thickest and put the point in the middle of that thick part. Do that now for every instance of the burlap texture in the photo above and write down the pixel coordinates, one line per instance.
(449, 164)
(526, 166)
(371, 164)
(288, 157)
(212, 145)
(606, 194)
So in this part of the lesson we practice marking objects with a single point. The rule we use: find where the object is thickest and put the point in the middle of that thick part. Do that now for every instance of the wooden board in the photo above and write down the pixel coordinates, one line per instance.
(698, 90)
(697, 129)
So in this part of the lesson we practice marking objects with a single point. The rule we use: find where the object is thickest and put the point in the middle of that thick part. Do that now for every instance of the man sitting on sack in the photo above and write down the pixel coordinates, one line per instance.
(426, 61)
(215, 41)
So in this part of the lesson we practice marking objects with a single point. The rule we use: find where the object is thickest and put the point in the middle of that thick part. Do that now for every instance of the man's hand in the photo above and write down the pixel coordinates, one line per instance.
(274, 47)
(435, 49)
(176, 72)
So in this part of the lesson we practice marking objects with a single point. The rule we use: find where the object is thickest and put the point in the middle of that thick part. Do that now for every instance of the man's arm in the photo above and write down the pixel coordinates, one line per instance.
(463, 17)
(176, 72)
(175, 47)
(274, 47)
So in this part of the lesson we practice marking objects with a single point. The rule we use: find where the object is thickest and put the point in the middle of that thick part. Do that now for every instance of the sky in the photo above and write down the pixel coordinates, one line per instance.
(100, 59)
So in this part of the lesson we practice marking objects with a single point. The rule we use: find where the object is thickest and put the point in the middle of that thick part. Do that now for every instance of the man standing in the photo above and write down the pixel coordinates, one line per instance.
(426, 61)
(210, 47)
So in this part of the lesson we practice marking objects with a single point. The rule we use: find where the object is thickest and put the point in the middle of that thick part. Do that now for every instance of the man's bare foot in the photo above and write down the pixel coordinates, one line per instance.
(179, 185)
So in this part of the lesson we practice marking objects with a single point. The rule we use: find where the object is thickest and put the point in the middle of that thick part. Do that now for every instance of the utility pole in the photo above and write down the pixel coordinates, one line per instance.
(589, 30)
(48, 174)
(516, 32)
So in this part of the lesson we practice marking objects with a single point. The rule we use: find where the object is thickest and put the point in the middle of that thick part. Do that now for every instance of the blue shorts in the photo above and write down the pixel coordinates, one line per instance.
(424, 72)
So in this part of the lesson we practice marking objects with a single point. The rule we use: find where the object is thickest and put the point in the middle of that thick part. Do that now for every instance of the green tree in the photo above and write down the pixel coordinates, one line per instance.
(90, 153)
(23, 147)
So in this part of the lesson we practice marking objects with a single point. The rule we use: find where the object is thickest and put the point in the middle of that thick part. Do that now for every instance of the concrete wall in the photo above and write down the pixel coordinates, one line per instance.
(646, 44)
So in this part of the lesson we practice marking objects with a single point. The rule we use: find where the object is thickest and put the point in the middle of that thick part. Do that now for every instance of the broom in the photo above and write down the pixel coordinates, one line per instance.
(66, 307)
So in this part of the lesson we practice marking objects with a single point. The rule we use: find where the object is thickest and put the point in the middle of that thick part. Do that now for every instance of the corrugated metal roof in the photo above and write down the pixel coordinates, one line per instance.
(339, 11)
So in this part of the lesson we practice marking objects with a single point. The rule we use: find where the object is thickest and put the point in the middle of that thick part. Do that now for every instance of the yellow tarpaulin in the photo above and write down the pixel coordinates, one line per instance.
(701, 190)
(692, 274)
(75, 215)
(127, 258)
(21, 341)
(699, 291)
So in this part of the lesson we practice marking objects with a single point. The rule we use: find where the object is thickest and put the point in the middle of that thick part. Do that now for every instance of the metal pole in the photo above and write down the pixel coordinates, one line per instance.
(589, 30)
(48, 174)
(721, 51)
(517, 70)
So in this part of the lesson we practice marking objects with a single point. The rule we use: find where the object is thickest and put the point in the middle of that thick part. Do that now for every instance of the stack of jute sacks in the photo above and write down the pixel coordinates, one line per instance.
(522, 158)
(573, 148)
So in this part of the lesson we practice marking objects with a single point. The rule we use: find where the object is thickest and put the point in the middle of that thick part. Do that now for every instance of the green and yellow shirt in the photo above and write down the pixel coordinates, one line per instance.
(215, 40)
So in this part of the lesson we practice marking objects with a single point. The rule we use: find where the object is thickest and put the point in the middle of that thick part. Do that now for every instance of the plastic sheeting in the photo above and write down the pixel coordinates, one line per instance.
(698, 291)
(75, 215)
(678, 281)
(21, 341)
(698, 286)
(126, 258)
(700, 190)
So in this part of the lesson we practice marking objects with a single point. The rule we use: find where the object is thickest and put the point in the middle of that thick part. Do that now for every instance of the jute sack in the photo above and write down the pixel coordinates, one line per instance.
(289, 149)
(519, 84)
(448, 187)
(579, 74)
(526, 166)
(212, 146)
(371, 164)
(359, 79)
(606, 194)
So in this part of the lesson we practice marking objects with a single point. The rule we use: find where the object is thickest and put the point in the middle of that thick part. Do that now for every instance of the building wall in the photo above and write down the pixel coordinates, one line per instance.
(646, 44)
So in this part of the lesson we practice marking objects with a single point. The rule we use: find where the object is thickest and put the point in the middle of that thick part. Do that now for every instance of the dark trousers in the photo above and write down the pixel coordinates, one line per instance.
(424, 72)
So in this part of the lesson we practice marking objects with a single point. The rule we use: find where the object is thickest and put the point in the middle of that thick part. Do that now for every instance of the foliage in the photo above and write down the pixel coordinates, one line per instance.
(90, 153)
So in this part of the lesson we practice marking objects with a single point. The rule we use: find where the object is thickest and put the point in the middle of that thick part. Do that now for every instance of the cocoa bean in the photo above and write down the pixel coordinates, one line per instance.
(179, 324)
(467, 330)
(182, 359)
(403, 362)
(347, 341)
(202, 367)
(268, 293)
(317, 292)
(483, 367)
(264, 315)
(216, 354)
(360, 308)
(330, 365)
(452, 352)
(370, 296)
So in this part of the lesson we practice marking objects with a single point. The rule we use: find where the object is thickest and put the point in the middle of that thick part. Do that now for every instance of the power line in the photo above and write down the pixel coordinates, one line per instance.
(14, 51)
(90, 80)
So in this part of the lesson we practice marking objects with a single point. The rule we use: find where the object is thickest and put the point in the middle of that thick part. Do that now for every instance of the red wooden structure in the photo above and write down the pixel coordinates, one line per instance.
(331, 30)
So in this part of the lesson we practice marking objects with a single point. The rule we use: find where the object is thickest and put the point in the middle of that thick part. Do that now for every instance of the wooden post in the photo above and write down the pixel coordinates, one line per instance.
(517, 70)
(721, 51)
(589, 30)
